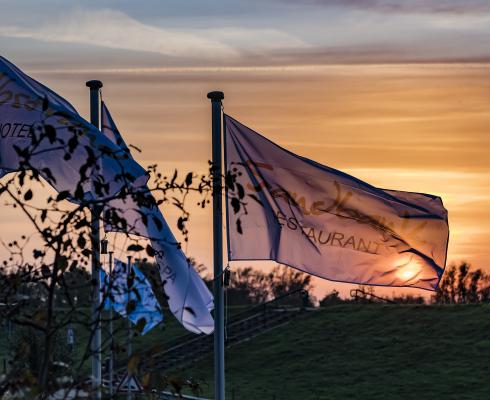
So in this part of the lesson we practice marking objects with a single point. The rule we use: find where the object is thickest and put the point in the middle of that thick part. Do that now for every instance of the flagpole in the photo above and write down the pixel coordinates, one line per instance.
(219, 315)
(130, 328)
(111, 332)
(96, 343)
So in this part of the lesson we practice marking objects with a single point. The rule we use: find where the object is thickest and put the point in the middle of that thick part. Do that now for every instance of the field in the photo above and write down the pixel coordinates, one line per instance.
(364, 352)
(348, 351)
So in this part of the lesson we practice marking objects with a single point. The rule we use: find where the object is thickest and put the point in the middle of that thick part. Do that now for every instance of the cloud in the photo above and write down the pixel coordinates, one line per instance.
(257, 40)
(114, 29)
(117, 30)
(410, 6)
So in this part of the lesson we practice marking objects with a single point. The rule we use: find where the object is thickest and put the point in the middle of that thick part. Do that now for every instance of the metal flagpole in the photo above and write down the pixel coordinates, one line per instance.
(219, 314)
(111, 333)
(130, 328)
(96, 343)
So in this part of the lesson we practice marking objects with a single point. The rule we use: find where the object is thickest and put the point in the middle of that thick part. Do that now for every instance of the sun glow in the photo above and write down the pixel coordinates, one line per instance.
(409, 270)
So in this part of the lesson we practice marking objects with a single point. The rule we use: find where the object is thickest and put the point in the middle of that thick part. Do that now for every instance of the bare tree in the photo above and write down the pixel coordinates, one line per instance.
(45, 289)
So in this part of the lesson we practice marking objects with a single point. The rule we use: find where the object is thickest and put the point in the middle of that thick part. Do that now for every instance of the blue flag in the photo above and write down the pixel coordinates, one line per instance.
(327, 223)
(117, 295)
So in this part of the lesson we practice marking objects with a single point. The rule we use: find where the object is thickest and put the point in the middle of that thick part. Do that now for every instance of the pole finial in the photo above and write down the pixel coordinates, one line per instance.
(94, 84)
(216, 96)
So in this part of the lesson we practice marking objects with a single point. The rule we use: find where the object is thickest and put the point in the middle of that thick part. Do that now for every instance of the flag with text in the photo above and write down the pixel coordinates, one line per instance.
(325, 222)
(41, 131)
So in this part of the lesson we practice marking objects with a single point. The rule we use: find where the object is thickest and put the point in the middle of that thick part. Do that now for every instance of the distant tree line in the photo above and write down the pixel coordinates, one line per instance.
(459, 285)
(251, 286)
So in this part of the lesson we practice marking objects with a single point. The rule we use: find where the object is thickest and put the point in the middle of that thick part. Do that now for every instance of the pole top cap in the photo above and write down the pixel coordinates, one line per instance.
(216, 96)
(94, 85)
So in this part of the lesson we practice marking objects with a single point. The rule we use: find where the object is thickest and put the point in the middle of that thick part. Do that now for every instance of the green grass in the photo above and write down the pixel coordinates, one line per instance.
(156, 340)
(364, 352)
(347, 352)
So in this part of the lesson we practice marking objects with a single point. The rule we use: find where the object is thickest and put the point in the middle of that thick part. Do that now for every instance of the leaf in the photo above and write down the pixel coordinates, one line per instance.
(131, 304)
(22, 177)
(133, 364)
(239, 226)
(62, 263)
(50, 132)
(79, 193)
(229, 181)
(140, 325)
(240, 190)
(135, 247)
(48, 175)
(45, 271)
(173, 178)
(38, 253)
(181, 223)
(188, 179)
(63, 195)
(39, 316)
(150, 251)
(73, 143)
(235, 203)
(81, 242)
(80, 224)
(145, 381)
(45, 103)
(28, 195)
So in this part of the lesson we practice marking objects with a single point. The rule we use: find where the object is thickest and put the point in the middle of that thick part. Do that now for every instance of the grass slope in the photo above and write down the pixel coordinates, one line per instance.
(364, 352)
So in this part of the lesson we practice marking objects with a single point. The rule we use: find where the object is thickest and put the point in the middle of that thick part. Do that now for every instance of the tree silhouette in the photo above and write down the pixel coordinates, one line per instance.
(460, 285)
(46, 289)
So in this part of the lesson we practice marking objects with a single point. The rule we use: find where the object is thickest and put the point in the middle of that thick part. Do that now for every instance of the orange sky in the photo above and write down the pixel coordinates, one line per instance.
(409, 112)
(414, 127)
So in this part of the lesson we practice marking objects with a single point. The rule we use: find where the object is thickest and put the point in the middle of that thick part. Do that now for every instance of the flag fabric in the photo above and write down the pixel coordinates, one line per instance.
(40, 130)
(189, 299)
(327, 223)
(110, 129)
(117, 294)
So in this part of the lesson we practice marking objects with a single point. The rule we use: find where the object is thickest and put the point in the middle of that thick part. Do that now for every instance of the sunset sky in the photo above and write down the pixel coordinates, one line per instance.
(396, 93)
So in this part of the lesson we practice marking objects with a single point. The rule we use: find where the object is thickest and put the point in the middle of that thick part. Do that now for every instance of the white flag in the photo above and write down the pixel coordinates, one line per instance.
(189, 298)
(40, 130)
(327, 223)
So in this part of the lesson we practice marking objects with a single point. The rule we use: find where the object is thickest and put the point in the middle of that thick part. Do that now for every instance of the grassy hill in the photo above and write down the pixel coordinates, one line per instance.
(364, 352)
(349, 351)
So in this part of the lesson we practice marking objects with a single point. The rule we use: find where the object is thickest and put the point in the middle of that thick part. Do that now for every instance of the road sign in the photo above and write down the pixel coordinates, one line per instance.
(129, 383)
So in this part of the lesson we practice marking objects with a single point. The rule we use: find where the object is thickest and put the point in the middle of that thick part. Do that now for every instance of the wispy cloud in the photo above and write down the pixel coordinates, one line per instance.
(114, 29)
(410, 6)
(256, 40)
(117, 30)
